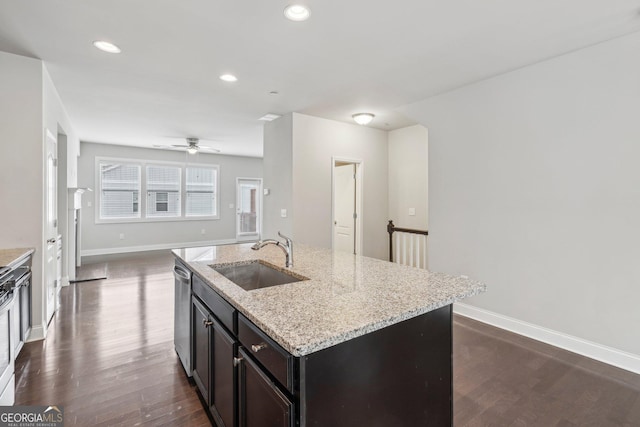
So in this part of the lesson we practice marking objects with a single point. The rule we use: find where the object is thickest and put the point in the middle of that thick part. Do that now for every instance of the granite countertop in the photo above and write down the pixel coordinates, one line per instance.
(347, 295)
(10, 257)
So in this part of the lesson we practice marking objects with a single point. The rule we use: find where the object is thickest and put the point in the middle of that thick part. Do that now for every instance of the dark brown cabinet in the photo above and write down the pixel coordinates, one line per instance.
(223, 376)
(214, 371)
(261, 403)
(400, 375)
(201, 359)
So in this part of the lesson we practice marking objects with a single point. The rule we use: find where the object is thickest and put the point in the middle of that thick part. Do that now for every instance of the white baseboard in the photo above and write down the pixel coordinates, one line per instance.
(162, 246)
(602, 353)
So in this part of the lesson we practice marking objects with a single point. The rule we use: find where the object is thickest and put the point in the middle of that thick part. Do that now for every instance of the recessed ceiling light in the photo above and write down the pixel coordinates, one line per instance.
(269, 117)
(363, 118)
(297, 12)
(106, 46)
(228, 78)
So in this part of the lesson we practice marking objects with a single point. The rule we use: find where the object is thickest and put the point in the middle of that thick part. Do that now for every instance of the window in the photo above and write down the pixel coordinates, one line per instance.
(173, 191)
(119, 189)
(201, 191)
(163, 191)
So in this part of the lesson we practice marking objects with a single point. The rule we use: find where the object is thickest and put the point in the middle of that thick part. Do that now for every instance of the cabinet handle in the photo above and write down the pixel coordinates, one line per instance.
(237, 361)
(206, 323)
(257, 348)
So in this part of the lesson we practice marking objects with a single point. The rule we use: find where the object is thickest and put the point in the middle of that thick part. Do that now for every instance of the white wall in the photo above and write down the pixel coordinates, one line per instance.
(105, 238)
(408, 160)
(534, 184)
(278, 177)
(28, 105)
(315, 142)
(22, 154)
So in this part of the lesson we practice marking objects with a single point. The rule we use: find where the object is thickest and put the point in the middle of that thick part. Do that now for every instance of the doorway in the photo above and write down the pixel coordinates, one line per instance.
(248, 208)
(347, 205)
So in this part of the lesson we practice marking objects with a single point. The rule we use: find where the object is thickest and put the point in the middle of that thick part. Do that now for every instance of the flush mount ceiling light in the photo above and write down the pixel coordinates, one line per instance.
(363, 118)
(106, 46)
(297, 12)
(228, 78)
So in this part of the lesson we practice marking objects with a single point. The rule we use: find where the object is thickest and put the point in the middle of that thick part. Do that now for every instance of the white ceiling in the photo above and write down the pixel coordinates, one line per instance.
(351, 56)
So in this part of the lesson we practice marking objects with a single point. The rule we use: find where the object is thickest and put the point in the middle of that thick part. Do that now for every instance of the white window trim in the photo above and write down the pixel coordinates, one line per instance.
(142, 204)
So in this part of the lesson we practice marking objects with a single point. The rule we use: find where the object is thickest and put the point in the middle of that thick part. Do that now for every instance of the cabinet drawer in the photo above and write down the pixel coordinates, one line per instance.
(225, 313)
(274, 358)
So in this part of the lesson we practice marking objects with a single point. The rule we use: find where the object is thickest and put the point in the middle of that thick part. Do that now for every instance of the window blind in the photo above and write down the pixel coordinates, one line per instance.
(201, 191)
(119, 190)
(163, 191)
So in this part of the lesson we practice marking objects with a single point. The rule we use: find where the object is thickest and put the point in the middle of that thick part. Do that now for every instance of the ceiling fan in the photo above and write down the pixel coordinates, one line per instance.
(192, 146)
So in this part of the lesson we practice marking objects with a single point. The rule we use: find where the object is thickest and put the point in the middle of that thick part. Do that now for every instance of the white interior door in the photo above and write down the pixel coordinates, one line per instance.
(248, 208)
(51, 227)
(344, 218)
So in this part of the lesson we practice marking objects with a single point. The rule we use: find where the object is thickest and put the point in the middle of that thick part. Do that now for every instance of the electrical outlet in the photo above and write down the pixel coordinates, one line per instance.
(89, 204)
(203, 231)
(231, 206)
(412, 211)
(121, 236)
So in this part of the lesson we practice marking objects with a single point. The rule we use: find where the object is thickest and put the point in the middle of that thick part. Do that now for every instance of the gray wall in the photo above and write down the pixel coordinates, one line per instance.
(278, 177)
(105, 238)
(315, 142)
(408, 179)
(534, 188)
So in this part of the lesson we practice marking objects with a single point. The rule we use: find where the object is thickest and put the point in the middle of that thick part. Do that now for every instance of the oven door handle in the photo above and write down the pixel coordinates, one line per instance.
(23, 279)
(181, 274)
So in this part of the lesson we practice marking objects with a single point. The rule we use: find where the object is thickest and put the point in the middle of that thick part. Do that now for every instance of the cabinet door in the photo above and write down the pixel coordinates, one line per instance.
(223, 376)
(262, 404)
(201, 338)
(25, 309)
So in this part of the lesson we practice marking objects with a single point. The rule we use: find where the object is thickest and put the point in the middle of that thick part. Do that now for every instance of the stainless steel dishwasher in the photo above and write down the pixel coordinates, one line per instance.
(182, 315)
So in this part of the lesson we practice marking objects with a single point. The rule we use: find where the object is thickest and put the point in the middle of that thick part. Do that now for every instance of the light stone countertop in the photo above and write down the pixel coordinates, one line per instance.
(10, 257)
(347, 295)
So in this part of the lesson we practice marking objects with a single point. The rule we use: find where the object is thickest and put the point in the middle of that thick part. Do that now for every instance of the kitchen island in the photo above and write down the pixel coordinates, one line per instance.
(358, 342)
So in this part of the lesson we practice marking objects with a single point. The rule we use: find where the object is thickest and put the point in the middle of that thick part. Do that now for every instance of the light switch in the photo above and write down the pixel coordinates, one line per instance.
(266, 191)
(412, 211)
(283, 213)
(89, 203)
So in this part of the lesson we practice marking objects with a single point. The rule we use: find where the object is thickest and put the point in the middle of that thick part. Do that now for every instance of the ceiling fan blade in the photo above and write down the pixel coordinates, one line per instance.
(180, 145)
(205, 148)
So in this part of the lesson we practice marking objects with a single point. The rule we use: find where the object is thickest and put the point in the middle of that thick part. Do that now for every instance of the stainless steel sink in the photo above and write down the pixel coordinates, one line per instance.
(256, 274)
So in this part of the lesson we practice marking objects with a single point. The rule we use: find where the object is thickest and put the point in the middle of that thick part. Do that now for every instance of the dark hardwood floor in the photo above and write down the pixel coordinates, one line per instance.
(109, 360)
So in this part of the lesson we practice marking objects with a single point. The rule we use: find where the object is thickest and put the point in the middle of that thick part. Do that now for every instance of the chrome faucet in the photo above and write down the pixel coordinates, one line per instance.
(286, 247)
